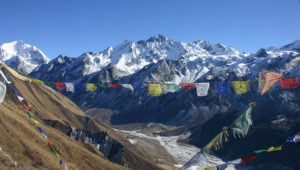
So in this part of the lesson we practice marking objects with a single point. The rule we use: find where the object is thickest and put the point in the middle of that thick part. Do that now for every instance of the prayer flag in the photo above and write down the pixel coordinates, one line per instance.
(44, 135)
(288, 83)
(21, 99)
(260, 151)
(277, 148)
(50, 84)
(127, 86)
(154, 89)
(2, 92)
(103, 85)
(41, 130)
(114, 85)
(91, 87)
(29, 115)
(222, 88)
(248, 158)
(38, 81)
(202, 89)
(59, 85)
(172, 87)
(267, 79)
(49, 143)
(80, 86)
(211, 168)
(240, 87)
(57, 155)
(61, 162)
(187, 87)
(235, 162)
(25, 107)
(138, 87)
(297, 138)
(69, 87)
(36, 123)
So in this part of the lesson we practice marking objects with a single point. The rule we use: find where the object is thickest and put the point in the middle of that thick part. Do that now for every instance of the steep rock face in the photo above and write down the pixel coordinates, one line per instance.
(21, 56)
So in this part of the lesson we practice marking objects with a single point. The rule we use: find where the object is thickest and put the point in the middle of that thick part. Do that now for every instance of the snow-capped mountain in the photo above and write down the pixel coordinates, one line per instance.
(130, 57)
(21, 56)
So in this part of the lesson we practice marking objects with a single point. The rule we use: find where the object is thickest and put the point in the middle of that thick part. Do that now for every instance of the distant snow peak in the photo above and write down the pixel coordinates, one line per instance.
(21, 56)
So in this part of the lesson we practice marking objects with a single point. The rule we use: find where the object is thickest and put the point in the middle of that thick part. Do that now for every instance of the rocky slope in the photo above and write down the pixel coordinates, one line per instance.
(82, 142)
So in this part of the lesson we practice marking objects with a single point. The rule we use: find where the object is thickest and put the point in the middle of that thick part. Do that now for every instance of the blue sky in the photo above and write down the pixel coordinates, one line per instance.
(72, 27)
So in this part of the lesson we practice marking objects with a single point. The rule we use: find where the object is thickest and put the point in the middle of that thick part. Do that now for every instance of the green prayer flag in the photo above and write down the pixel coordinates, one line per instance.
(172, 87)
(102, 85)
(260, 151)
(29, 115)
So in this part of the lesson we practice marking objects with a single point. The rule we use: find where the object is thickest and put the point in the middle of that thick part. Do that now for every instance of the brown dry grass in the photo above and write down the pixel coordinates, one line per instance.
(23, 142)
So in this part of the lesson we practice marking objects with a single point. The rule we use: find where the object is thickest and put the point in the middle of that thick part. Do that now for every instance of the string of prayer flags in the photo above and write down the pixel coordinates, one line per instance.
(267, 79)
(154, 89)
(80, 86)
(241, 87)
(127, 86)
(2, 92)
(69, 87)
(49, 84)
(288, 83)
(38, 81)
(172, 88)
(43, 133)
(103, 85)
(202, 89)
(59, 86)
(271, 149)
(247, 159)
(222, 88)
(91, 87)
(114, 85)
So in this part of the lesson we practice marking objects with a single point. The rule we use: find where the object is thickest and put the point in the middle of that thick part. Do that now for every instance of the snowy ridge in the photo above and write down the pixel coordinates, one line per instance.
(21, 56)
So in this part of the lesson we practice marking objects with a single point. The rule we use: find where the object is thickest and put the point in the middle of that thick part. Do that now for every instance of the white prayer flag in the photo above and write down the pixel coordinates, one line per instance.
(202, 89)
(236, 161)
(69, 87)
(297, 138)
(128, 86)
(2, 91)
(20, 98)
(4, 77)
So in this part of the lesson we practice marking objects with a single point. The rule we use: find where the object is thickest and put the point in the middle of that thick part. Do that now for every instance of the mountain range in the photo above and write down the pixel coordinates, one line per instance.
(161, 60)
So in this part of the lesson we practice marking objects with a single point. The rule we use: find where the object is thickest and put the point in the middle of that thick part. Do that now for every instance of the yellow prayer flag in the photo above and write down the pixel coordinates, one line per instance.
(154, 89)
(38, 81)
(211, 168)
(56, 154)
(36, 123)
(277, 148)
(241, 87)
(91, 87)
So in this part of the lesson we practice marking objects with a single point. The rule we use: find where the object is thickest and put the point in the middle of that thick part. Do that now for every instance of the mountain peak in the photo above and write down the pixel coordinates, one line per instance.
(158, 38)
(22, 56)
(294, 46)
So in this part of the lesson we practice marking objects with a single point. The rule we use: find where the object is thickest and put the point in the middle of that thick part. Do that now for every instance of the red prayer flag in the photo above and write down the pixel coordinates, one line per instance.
(114, 85)
(25, 107)
(187, 87)
(49, 143)
(248, 159)
(59, 85)
(289, 83)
